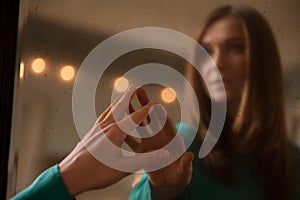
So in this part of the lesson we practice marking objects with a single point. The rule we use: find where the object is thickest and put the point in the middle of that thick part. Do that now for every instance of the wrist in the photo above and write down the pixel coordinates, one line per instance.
(69, 178)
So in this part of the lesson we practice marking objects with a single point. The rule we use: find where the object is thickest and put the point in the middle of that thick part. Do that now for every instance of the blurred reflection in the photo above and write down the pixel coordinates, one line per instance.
(168, 95)
(121, 84)
(38, 65)
(21, 74)
(53, 33)
(67, 73)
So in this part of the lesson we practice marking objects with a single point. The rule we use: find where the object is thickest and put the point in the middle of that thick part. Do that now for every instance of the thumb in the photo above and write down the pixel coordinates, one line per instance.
(185, 161)
(186, 167)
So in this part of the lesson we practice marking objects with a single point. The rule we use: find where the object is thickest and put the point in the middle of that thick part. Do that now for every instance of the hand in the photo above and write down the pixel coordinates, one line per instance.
(81, 171)
(157, 141)
(170, 181)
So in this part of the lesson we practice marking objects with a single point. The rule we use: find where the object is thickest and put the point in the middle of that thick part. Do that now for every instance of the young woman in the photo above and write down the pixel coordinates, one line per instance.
(253, 158)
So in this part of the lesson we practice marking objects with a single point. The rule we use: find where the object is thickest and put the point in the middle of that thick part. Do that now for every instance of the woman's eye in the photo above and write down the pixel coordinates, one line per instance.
(237, 48)
(208, 50)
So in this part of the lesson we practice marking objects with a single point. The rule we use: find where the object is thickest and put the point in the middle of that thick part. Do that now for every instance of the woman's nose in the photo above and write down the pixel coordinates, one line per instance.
(219, 59)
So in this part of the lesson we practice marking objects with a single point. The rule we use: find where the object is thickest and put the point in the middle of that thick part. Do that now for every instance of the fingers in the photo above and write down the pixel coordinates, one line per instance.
(185, 163)
(132, 143)
(132, 110)
(107, 110)
(139, 115)
(131, 121)
(117, 132)
(116, 110)
(143, 99)
(122, 106)
(142, 96)
(104, 114)
(170, 127)
(186, 158)
(158, 113)
(158, 116)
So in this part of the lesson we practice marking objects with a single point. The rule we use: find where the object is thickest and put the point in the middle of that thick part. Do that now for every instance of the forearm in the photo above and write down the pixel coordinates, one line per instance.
(48, 185)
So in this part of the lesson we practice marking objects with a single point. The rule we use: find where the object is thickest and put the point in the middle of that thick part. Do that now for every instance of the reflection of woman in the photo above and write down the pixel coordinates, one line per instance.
(252, 159)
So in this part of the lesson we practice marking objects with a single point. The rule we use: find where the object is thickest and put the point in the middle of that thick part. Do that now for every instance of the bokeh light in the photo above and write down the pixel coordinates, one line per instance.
(121, 84)
(168, 95)
(22, 67)
(38, 65)
(67, 73)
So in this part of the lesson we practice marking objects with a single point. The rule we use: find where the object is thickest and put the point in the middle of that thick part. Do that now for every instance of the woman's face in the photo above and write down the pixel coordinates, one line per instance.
(225, 41)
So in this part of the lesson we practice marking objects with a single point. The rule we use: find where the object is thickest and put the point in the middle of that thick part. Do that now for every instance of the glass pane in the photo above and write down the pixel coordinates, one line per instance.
(56, 36)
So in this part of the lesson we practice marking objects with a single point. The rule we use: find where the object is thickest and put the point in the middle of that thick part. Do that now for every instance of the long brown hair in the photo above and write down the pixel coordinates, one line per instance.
(259, 129)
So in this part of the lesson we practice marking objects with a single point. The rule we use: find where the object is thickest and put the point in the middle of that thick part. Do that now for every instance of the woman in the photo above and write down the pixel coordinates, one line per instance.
(252, 159)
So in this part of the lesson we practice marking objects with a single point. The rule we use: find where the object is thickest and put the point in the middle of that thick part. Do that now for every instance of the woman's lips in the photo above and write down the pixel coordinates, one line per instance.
(220, 81)
(219, 84)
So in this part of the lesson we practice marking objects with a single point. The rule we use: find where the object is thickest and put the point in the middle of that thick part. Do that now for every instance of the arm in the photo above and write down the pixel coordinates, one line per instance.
(49, 185)
(81, 171)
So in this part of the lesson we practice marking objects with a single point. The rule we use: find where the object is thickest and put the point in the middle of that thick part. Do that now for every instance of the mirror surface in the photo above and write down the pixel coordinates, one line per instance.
(56, 34)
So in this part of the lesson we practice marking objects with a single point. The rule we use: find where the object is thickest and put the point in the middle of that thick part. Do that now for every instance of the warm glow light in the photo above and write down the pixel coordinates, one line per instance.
(21, 70)
(168, 95)
(38, 65)
(67, 73)
(121, 84)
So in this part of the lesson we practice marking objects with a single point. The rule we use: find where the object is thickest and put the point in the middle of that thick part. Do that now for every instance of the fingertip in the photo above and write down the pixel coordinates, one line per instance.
(142, 96)
(150, 104)
(148, 107)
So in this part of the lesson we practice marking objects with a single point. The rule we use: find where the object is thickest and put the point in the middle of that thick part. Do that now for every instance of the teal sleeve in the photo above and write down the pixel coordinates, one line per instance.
(187, 133)
(48, 185)
(141, 190)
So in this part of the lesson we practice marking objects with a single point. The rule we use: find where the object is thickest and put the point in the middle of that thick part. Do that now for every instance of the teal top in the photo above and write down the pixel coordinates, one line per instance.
(205, 186)
(48, 186)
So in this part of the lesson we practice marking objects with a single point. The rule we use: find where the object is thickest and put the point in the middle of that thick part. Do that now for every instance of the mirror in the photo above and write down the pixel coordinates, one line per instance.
(56, 36)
